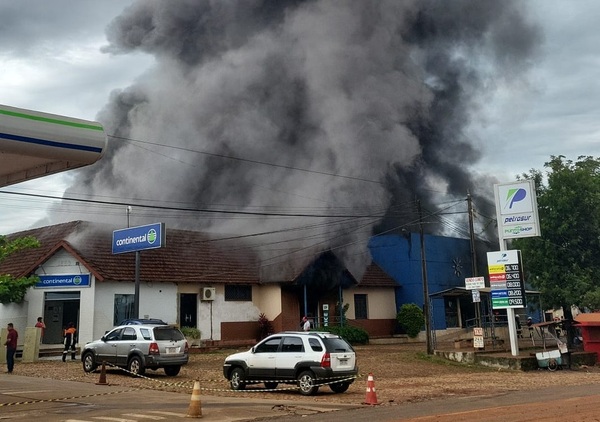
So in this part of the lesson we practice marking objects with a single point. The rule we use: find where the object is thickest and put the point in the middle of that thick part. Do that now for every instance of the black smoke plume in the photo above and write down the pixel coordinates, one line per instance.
(350, 110)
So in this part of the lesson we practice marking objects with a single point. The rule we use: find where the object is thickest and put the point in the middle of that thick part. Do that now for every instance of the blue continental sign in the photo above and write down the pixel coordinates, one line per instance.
(78, 280)
(151, 236)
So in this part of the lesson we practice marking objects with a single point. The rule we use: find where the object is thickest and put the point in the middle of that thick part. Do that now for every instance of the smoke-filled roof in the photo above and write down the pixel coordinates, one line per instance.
(186, 257)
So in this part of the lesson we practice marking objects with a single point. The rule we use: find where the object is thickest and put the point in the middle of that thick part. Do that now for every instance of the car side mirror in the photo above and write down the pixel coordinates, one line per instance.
(253, 349)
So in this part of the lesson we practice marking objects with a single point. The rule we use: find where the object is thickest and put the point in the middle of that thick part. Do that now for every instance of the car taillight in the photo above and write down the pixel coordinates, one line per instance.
(326, 361)
(154, 349)
(187, 347)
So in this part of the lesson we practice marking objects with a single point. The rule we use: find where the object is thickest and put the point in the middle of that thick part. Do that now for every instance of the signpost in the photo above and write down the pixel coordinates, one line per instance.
(136, 239)
(478, 342)
(517, 216)
(474, 284)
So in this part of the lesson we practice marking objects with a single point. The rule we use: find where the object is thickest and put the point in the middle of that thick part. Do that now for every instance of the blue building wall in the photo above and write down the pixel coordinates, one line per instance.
(448, 263)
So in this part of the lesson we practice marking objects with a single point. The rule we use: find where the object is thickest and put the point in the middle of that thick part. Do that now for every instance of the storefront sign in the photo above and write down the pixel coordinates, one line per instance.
(151, 236)
(325, 315)
(50, 281)
(473, 283)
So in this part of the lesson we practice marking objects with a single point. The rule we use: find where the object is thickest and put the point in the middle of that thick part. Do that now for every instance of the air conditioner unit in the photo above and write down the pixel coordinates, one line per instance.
(208, 293)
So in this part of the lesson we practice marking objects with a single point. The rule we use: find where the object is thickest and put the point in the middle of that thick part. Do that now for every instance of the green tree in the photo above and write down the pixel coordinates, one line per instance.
(13, 289)
(564, 262)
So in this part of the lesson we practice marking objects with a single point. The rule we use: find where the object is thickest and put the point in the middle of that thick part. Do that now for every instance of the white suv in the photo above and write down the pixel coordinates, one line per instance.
(309, 359)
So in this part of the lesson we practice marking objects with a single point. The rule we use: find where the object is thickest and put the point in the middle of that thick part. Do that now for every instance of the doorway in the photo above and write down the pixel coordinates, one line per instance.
(188, 310)
(60, 308)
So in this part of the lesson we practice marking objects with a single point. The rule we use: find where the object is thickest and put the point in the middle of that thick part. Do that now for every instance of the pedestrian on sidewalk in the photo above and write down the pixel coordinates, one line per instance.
(11, 347)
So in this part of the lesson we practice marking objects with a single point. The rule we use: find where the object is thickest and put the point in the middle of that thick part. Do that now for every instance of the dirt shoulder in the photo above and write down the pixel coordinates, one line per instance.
(402, 373)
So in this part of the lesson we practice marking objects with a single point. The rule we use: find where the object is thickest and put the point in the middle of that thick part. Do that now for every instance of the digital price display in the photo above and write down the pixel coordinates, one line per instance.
(506, 279)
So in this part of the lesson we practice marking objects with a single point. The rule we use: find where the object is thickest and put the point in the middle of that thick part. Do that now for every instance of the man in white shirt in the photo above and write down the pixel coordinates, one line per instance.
(305, 324)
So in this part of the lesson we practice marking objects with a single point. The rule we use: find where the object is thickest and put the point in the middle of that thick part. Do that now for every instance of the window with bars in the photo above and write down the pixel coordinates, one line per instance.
(360, 306)
(238, 293)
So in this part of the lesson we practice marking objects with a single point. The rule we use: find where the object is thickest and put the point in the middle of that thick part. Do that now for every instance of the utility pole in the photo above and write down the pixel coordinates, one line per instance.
(425, 287)
(473, 254)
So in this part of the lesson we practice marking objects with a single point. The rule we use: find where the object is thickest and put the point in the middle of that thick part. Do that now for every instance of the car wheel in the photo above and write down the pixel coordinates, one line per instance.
(339, 387)
(172, 370)
(89, 364)
(135, 366)
(306, 383)
(271, 385)
(237, 379)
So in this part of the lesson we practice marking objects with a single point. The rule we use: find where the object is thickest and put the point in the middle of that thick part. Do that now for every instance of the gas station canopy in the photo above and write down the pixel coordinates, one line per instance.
(35, 144)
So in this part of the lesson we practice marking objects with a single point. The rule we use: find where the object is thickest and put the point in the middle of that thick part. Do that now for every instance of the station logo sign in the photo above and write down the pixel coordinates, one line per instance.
(516, 210)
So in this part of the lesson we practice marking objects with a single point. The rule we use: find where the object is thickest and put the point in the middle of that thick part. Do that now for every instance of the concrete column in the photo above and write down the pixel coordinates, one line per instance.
(31, 346)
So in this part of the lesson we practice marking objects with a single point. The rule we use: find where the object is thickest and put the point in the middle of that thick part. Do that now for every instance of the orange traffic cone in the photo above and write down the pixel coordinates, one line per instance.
(195, 409)
(102, 379)
(371, 396)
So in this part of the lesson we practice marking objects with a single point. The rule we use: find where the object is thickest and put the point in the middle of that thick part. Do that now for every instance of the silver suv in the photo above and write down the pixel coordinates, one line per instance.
(137, 348)
(308, 359)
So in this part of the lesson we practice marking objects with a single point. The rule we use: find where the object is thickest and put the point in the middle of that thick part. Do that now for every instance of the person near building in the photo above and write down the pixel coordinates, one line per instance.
(40, 324)
(11, 347)
(518, 325)
(70, 336)
(305, 324)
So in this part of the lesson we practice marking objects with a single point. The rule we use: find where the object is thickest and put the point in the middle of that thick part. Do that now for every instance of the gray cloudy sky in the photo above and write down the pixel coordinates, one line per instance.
(51, 60)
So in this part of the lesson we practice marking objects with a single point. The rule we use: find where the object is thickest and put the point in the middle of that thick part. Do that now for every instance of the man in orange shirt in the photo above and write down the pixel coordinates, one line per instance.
(70, 340)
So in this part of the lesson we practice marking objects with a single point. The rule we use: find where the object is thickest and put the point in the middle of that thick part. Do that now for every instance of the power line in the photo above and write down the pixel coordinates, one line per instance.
(202, 210)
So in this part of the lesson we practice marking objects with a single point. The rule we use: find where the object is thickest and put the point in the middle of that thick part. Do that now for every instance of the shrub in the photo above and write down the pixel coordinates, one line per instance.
(353, 335)
(265, 327)
(191, 332)
(410, 317)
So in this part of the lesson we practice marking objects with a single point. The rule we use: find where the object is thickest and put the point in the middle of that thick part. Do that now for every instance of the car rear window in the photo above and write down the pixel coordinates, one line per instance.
(315, 345)
(146, 333)
(167, 333)
(337, 345)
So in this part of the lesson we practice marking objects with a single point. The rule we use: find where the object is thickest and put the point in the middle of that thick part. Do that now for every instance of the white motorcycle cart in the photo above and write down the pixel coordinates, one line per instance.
(550, 359)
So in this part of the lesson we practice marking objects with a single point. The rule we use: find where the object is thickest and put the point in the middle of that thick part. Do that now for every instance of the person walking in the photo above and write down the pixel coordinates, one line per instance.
(70, 340)
(40, 324)
(11, 347)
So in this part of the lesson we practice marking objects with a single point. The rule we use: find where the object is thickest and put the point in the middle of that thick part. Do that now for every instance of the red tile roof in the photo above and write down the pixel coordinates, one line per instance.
(187, 257)
(375, 277)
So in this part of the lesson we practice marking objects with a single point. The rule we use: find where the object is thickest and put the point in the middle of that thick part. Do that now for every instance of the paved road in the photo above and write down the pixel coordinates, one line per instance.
(27, 399)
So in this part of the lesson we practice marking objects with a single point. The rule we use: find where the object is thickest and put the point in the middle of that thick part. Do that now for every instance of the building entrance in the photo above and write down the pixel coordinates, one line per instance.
(60, 308)
(188, 310)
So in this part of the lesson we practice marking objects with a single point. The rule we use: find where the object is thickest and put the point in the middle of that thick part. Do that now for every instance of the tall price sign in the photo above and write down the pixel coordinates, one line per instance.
(506, 279)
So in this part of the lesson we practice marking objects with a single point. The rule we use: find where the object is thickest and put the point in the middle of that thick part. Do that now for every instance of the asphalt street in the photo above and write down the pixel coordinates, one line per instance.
(28, 399)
